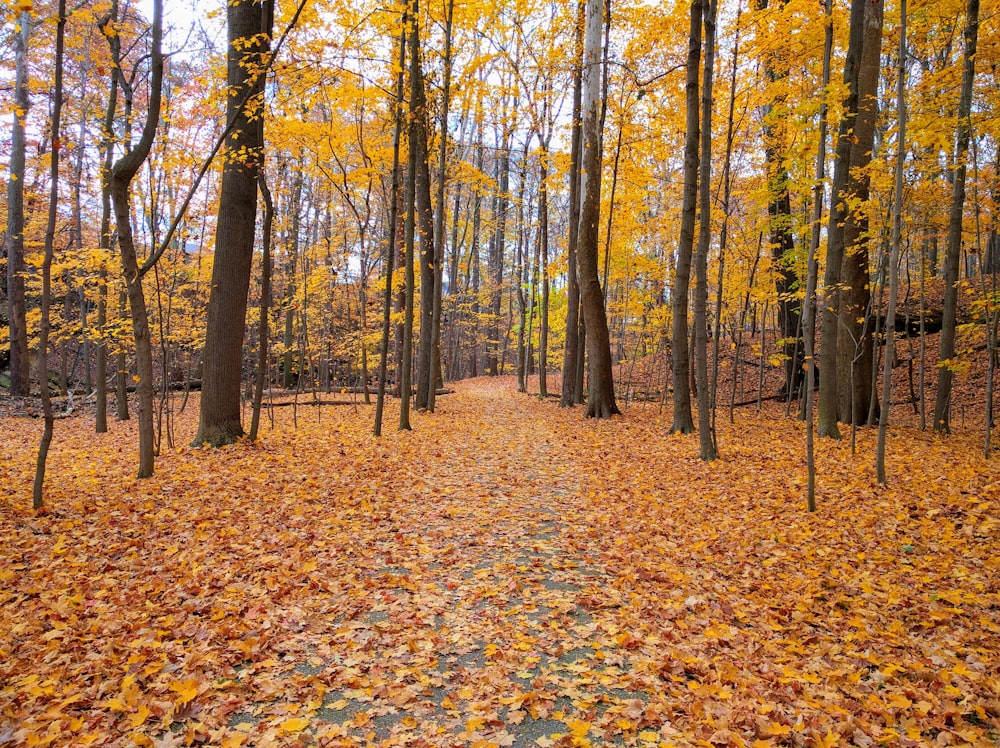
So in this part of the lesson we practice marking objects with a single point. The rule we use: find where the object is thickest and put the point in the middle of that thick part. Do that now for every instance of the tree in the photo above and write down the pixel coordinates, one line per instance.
(572, 350)
(50, 232)
(601, 386)
(683, 419)
(390, 244)
(249, 27)
(121, 177)
(779, 209)
(846, 248)
(706, 434)
(20, 375)
(855, 342)
(963, 134)
(897, 241)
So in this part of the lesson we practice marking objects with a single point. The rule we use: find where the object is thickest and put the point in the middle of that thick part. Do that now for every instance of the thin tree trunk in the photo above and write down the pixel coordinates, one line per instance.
(439, 213)
(37, 498)
(706, 437)
(107, 155)
(265, 304)
(727, 184)
(683, 420)
(573, 349)
(20, 368)
(122, 174)
(809, 310)
(897, 241)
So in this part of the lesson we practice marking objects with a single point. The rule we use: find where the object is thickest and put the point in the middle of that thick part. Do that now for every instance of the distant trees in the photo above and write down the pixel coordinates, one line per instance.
(536, 244)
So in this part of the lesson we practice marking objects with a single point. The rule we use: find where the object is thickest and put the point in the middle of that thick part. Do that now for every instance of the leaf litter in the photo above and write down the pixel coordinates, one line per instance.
(507, 574)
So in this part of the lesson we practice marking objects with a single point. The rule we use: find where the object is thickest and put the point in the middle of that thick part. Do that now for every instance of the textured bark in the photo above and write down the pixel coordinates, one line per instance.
(572, 351)
(897, 241)
(20, 370)
(50, 231)
(425, 228)
(601, 385)
(828, 411)
(942, 410)
(706, 436)
(390, 245)
(681, 356)
(122, 174)
(219, 421)
(855, 353)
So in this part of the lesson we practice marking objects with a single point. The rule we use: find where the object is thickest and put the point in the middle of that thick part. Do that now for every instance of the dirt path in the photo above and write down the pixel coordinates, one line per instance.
(497, 636)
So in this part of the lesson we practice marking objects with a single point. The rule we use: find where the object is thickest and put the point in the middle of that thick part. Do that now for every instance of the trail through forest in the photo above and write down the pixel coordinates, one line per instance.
(506, 574)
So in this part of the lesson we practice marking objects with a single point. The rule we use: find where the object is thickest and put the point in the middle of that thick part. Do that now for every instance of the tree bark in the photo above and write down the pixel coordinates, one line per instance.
(122, 174)
(20, 369)
(942, 409)
(601, 385)
(572, 349)
(897, 241)
(828, 412)
(706, 436)
(855, 352)
(50, 232)
(390, 245)
(249, 28)
(683, 420)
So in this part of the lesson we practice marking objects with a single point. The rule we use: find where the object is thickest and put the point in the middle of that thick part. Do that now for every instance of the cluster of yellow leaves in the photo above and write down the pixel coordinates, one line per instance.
(507, 574)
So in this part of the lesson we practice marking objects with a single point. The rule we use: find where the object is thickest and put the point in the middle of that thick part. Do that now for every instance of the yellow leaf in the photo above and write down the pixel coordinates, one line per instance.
(339, 704)
(578, 727)
(140, 716)
(900, 701)
(233, 740)
(648, 736)
(141, 740)
(295, 724)
(185, 690)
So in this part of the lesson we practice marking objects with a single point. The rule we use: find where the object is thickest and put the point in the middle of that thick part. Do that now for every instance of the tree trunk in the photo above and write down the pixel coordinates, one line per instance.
(50, 232)
(706, 437)
(809, 310)
(683, 420)
(828, 414)
(390, 244)
(897, 241)
(249, 28)
(435, 331)
(855, 353)
(410, 224)
(122, 174)
(425, 220)
(20, 369)
(572, 350)
(946, 375)
(288, 378)
(265, 304)
(601, 385)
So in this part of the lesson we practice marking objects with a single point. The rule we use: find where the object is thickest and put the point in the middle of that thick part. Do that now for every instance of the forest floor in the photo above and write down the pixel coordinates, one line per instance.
(507, 574)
